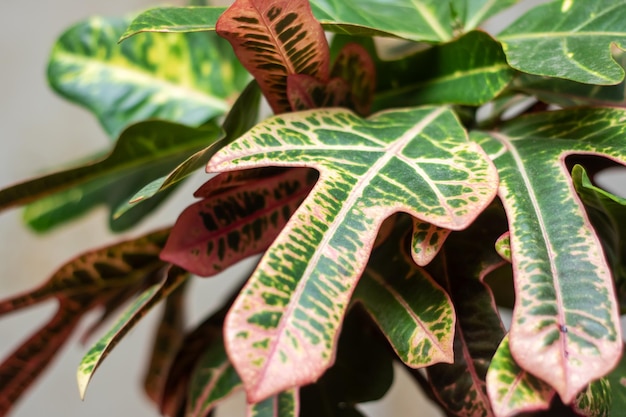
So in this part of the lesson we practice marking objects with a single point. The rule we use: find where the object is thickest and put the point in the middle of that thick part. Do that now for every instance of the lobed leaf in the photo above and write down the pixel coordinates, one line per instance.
(413, 312)
(470, 70)
(125, 84)
(274, 40)
(513, 390)
(292, 306)
(565, 327)
(172, 278)
(235, 220)
(568, 39)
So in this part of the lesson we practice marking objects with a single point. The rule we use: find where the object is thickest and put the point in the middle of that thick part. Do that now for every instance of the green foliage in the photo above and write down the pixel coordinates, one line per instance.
(394, 195)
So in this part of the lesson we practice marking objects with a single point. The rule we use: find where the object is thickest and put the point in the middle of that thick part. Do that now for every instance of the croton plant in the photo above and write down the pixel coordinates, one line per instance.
(401, 192)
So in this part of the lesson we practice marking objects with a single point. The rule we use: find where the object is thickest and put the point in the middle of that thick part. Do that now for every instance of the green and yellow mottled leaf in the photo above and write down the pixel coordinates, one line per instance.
(426, 242)
(470, 70)
(184, 78)
(239, 216)
(568, 39)
(513, 390)
(242, 116)
(565, 327)
(503, 246)
(143, 152)
(461, 268)
(284, 404)
(212, 380)
(415, 160)
(413, 312)
(274, 40)
(595, 401)
(167, 342)
(172, 278)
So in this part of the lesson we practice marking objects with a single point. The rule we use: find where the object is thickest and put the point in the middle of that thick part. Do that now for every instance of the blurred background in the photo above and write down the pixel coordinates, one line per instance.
(38, 132)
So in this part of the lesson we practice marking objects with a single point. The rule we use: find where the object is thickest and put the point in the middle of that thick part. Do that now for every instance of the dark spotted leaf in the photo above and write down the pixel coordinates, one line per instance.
(305, 92)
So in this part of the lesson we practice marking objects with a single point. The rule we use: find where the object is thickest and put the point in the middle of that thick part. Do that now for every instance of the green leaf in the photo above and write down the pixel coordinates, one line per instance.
(240, 215)
(167, 342)
(607, 213)
(292, 306)
(284, 404)
(274, 40)
(173, 278)
(175, 20)
(618, 388)
(461, 268)
(478, 11)
(470, 70)
(413, 312)
(242, 116)
(212, 380)
(565, 327)
(568, 39)
(187, 79)
(143, 152)
(513, 390)
(595, 401)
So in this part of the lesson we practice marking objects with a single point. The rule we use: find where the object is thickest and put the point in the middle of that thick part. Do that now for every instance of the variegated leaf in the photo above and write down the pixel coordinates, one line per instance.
(565, 327)
(213, 379)
(173, 278)
(241, 117)
(513, 390)
(167, 342)
(414, 313)
(355, 65)
(236, 219)
(427, 240)
(414, 160)
(503, 246)
(22, 367)
(461, 268)
(124, 84)
(305, 92)
(568, 39)
(595, 401)
(284, 404)
(274, 39)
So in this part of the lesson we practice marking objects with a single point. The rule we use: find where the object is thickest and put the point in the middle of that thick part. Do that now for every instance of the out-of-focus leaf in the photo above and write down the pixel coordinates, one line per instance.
(607, 213)
(274, 40)
(513, 390)
(213, 379)
(173, 278)
(236, 219)
(470, 70)
(183, 78)
(618, 388)
(143, 152)
(242, 116)
(595, 401)
(565, 327)
(303, 284)
(413, 312)
(355, 65)
(568, 39)
(284, 404)
(167, 341)
(305, 92)
(175, 20)
(461, 267)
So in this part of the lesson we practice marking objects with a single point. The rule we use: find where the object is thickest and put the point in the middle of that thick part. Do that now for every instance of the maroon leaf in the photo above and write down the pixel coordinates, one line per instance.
(355, 65)
(305, 92)
(273, 39)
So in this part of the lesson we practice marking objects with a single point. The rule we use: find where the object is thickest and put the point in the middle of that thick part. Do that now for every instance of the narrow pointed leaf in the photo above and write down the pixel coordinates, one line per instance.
(568, 39)
(273, 40)
(21, 368)
(124, 84)
(426, 242)
(513, 390)
(167, 341)
(565, 327)
(227, 227)
(461, 267)
(284, 404)
(139, 308)
(174, 19)
(470, 70)
(242, 116)
(413, 312)
(595, 401)
(212, 380)
(291, 308)
(143, 152)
